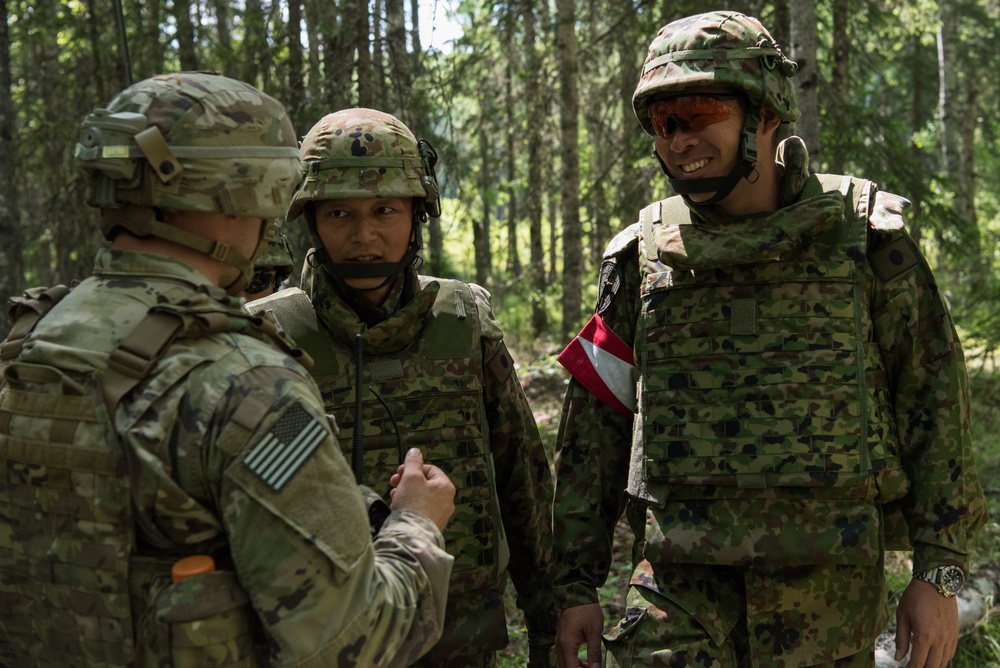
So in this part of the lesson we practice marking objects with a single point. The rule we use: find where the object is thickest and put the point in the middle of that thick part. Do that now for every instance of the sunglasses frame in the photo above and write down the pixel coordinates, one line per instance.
(683, 123)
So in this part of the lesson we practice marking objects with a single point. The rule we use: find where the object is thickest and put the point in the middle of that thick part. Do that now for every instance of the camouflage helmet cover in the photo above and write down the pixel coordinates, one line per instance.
(357, 153)
(278, 253)
(191, 141)
(713, 49)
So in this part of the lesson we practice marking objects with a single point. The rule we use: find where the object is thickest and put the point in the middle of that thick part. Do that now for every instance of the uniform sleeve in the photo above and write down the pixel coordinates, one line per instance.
(592, 456)
(300, 539)
(930, 395)
(523, 472)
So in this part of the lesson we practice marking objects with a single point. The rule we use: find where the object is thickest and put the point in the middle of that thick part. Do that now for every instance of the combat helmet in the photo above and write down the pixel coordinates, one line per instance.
(365, 153)
(190, 141)
(721, 48)
(274, 265)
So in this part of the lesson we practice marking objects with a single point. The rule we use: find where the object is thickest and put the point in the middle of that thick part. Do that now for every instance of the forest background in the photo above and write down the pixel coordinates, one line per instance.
(541, 158)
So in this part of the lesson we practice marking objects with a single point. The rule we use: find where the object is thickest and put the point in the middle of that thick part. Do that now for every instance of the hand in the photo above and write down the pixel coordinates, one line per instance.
(582, 624)
(423, 488)
(931, 621)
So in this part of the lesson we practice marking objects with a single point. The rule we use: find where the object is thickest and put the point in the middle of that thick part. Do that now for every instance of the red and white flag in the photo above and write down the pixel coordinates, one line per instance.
(603, 364)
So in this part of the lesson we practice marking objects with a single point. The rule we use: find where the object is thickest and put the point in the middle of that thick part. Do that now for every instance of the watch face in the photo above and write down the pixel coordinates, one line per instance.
(951, 579)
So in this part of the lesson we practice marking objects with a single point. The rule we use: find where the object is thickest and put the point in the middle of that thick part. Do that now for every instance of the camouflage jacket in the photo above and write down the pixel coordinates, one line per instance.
(322, 592)
(522, 474)
(921, 352)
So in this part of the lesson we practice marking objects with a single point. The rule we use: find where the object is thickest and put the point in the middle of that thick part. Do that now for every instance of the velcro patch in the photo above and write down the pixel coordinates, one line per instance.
(285, 448)
(894, 259)
(502, 364)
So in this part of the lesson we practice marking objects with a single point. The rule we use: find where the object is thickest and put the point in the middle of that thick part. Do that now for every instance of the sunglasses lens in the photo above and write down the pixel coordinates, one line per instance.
(691, 113)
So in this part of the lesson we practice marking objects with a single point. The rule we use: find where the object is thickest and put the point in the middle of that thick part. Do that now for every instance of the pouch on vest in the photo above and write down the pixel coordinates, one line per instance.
(202, 621)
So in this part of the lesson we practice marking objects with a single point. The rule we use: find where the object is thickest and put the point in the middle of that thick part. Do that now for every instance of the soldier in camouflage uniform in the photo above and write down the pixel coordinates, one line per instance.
(425, 361)
(146, 419)
(770, 377)
(272, 269)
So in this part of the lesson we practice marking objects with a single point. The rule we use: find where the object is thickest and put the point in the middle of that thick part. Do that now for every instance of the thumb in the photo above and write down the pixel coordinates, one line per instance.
(414, 462)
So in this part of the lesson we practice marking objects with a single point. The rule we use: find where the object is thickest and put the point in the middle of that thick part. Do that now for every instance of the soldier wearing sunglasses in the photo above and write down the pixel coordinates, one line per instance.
(771, 390)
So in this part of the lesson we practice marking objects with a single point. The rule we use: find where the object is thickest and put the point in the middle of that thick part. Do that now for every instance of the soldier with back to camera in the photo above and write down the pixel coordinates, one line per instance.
(770, 377)
(147, 423)
(426, 363)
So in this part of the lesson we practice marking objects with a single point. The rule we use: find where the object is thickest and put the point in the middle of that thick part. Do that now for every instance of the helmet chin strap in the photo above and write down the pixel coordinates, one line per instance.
(721, 185)
(142, 221)
(342, 271)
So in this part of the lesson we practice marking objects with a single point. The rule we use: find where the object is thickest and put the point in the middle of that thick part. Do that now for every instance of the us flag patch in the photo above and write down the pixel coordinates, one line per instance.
(286, 447)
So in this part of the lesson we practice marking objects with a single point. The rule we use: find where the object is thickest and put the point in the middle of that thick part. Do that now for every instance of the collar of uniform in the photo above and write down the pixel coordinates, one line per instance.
(398, 329)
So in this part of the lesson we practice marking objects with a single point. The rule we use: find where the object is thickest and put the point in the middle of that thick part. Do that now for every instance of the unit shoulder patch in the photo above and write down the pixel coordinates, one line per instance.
(896, 258)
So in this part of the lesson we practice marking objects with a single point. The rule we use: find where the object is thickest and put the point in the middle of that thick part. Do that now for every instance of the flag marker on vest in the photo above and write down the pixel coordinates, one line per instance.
(600, 361)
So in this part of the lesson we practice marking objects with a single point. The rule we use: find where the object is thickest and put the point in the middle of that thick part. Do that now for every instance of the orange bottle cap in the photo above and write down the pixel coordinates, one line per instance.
(197, 564)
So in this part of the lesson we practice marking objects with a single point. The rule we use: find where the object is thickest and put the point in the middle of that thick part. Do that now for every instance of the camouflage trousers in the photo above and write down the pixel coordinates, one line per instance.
(726, 617)
(475, 628)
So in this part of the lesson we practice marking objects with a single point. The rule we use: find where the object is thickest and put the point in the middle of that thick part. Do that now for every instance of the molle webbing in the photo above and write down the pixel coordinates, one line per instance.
(764, 374)
(64, 601)
(433, 393)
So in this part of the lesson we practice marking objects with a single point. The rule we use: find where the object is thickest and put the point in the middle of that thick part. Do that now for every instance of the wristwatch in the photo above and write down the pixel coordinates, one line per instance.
(947, 579)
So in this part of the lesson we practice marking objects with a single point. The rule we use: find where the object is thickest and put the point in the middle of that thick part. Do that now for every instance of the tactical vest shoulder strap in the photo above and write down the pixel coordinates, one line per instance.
(453, 327)
(861, 191)
(132, 360)
(671, 210)
(293, 312)
(26, 311)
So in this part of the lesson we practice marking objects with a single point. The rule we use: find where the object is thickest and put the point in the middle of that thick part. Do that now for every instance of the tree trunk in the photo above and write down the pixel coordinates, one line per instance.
(415, 27)
(917, 187)
(185, 35)
(313, 34)
(96, 50)
(378, 56)
(400, 79)
(481, 227)
(10, 226)
(979, 274)
(362, 46)
(296, 75)
(781, 26)
(225, 48)
(513, 132)
(535, 110)
(338, 60)
(569, 110)
(948, 95)
(840, 87)
(803, 51)
(254, 40)
(633, 193)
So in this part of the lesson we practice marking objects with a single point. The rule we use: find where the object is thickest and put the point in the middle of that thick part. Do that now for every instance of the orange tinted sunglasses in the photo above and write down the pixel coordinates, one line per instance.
(691, 113)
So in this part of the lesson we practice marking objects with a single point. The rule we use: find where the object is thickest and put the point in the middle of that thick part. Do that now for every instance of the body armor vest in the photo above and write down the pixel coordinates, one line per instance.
(74, 587)
(760, 375)
(424, 391)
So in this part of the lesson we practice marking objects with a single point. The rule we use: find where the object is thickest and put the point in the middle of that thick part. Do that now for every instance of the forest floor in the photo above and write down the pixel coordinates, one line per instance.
(545, 384)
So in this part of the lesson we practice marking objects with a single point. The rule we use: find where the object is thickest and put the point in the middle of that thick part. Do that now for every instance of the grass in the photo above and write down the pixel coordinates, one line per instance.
(979, 648)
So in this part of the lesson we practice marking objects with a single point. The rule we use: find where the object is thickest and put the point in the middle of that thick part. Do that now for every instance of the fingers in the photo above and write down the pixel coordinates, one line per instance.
(902, 636)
